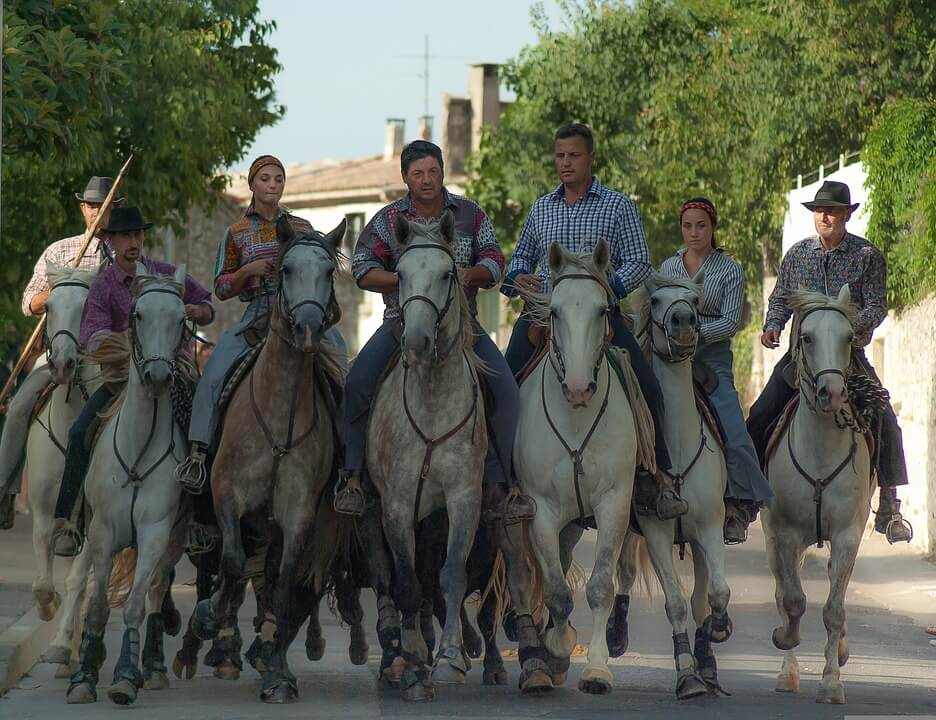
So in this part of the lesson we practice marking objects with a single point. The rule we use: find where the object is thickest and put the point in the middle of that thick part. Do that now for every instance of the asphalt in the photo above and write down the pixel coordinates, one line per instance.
(892, 671)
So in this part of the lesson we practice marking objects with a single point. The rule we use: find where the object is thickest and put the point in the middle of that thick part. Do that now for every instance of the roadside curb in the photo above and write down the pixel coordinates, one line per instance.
(21, 646)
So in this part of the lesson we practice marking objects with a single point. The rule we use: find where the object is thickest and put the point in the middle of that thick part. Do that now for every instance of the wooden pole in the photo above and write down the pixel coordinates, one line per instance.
(89, 236)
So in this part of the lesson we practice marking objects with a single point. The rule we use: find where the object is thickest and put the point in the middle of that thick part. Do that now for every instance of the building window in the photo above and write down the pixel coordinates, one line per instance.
(352, 231)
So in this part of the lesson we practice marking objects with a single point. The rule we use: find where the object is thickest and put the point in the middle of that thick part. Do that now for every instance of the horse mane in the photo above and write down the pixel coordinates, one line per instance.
(142, 282)
(56, 274)
(537, 303)
(341, 261)
(804, 301)
(658, 279)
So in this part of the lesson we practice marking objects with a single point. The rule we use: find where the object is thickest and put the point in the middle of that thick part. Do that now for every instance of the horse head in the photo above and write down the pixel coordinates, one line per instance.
(69, 290)
(156, 327)
(306, 266)
(674, 315)
(429, 285)
(823, 332)
(579, 315)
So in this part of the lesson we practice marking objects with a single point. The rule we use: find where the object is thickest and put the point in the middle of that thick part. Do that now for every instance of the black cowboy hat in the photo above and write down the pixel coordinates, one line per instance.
(96, 190)
(832, 194)
(127, 219)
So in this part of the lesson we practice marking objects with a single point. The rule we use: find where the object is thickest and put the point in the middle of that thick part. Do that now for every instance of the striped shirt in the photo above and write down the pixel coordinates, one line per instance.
(722, 293)
(475, 244)
(599, 213)
(61, 252)
(253, 237)
(808, 265)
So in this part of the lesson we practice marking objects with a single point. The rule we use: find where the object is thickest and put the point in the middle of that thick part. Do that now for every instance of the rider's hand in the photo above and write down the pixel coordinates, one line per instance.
(475, 277)
(258, 268)
(770, 339)
(529, 282)
(200, 313)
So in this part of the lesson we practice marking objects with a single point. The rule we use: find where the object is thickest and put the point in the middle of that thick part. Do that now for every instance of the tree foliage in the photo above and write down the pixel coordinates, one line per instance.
(726, 98)
(187, 85)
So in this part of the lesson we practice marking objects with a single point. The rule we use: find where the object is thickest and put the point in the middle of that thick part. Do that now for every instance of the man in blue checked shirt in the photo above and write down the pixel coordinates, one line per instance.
(576, 214)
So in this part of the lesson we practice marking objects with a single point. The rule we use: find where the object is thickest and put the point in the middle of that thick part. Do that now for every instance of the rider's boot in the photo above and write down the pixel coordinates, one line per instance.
(888, 520)
(193, 471)
(7, 510)
(739, 514)
(518, 506)
(656, 495)
(349, 495)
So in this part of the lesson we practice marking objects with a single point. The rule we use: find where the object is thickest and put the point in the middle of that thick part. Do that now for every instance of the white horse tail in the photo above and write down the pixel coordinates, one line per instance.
(121, 577)
(643, 420)
(645, 576)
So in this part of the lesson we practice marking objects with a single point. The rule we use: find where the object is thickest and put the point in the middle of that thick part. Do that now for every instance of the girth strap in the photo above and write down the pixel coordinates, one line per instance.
(678, 479)
(578, 469)
(819, 484)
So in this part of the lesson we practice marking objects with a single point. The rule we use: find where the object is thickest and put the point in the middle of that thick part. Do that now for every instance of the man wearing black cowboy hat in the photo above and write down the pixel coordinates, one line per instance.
(107, 311)
(824, 263)
(61, 252)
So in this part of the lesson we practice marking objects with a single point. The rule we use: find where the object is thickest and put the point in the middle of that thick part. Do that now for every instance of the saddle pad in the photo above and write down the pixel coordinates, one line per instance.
(236, 374)
(708, 413)
(704, 376)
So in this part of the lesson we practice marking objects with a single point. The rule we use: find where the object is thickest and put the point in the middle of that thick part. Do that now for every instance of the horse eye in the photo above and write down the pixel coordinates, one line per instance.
(285, 270)
(695, 301)
(654, 301)
(807, 339)
(851, 339)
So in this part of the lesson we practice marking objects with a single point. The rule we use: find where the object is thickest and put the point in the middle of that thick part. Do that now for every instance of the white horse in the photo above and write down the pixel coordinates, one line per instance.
(671, 316)
(131, 489)
(576, 450)
(45, 451)
(820, 474)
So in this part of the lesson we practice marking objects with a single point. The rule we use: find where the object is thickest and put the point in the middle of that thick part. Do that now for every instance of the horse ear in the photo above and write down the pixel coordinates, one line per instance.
(180, 274)
(652, 284)
(600, 255)
(447, 227)
(844, 295)
(556, 257)
(335, 237)
(141, 270)
(284, 231)
(401, 228)
(699, 277)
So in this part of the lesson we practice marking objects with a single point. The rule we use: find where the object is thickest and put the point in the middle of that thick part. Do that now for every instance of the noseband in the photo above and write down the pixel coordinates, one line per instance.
(288, 311)
(136, 349)
(681, 352)
(67, 333)
(439, 313)
(558, 365)
(804, 370)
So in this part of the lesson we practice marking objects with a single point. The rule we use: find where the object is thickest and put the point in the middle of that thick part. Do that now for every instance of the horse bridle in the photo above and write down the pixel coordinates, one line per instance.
(449, 299)
(136, 349)
(804, 369)
(47, 341)
(554, 341)
(288, 311)
(684, 352)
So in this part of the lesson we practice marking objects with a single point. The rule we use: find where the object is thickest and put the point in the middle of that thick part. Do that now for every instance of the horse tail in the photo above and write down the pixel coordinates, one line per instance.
(332, 538)
(123, 570)
(645, 576)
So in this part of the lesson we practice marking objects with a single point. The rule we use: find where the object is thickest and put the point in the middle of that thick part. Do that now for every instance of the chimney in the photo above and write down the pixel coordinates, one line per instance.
(425, 128)
(456, 133)
(484, 91)
(394, 132)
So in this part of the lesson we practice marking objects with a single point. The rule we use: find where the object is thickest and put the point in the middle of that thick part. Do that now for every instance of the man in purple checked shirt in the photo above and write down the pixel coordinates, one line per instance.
(107, 311)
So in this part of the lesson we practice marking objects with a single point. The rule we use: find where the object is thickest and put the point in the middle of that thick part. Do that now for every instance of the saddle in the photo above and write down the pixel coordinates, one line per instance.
(538, 336)
(704, 406)
(777, 429)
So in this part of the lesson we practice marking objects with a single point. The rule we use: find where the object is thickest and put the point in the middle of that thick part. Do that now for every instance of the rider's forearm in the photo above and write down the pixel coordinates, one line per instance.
(377, 280)
(38, 302)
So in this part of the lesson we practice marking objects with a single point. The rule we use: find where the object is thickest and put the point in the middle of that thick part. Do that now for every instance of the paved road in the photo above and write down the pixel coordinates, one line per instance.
(892, 669)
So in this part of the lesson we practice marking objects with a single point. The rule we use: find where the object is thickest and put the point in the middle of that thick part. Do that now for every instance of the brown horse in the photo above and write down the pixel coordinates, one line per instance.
(277, 449)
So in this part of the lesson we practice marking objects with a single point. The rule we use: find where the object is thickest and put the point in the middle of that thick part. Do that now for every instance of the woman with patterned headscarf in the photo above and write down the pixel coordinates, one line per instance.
(720, 318)
(245, 268)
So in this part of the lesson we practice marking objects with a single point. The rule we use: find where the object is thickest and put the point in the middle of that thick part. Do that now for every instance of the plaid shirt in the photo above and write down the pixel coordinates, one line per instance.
(807, 265)
(722, 293)
(61, 252)
(253, 237)
(475, 244)
(107, 309)
(599, 213)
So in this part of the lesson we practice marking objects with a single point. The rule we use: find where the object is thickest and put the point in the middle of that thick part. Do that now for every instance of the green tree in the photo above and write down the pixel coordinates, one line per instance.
(186, 84)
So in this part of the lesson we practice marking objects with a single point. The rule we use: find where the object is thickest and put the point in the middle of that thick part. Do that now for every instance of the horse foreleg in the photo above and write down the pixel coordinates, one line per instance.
(559, 639)
(152, 543)
(717, 625)
(349, 607)
(841, 563)
(627, 568)
(212, 612)
(186, 659)
(43, 588)
(659, 537)
(163, 616)
(783, 555)
(494, 671)
(612, 524)
(64, 647)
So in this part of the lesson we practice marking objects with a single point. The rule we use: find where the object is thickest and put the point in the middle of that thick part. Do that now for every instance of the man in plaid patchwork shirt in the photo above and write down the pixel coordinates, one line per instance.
(576, 215)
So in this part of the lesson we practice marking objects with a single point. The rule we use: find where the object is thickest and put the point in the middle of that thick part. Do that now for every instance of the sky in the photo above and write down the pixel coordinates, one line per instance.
(351, 64)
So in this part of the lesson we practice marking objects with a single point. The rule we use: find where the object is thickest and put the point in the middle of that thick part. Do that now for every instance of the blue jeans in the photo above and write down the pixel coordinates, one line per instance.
(746, 481)
(361, 387)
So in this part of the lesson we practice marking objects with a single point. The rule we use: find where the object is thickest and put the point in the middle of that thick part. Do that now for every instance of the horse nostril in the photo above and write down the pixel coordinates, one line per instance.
(70, 363)
(592, 387)
(565, 388)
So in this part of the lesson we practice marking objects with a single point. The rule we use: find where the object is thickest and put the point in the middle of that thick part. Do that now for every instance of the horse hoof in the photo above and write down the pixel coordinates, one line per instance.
(227, 671)
(787, 684)
(690, 686)
(390, 676)
(418, 693)
(182, 668)
(172, 622)
(66, 671)
(560, 644)
(535, 682)
(718, 629)
(494, 677)
(595, 681)
(122, 692)
(49, 605)
(315, 648)
(474, 646)
(56, 655)
(510, 627)
(82, 694)
(203, 624)
(282, 694)
(782, 641)
(559, 678)
(832, 694)
(158, 680)
(357, 653)
(843, 651)
(445, 674)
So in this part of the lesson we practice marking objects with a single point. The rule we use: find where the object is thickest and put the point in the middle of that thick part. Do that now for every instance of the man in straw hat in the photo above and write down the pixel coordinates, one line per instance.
(824, 263)
(61, 252)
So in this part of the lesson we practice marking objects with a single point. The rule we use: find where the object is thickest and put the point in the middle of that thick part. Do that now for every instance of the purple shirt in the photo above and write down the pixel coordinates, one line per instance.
(107, 309)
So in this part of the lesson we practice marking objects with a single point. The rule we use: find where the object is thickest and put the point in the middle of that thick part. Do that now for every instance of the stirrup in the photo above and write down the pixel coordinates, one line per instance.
(898, 530)
(191, 474)
(514, 498)
(348, 499)
(201, 539)
(69, 530)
